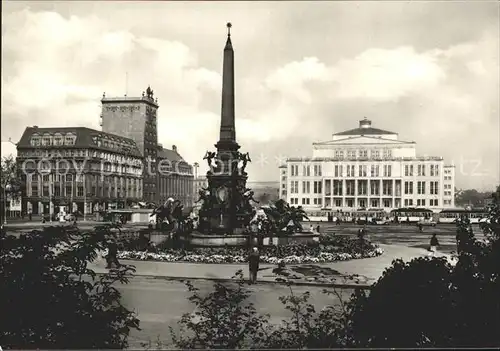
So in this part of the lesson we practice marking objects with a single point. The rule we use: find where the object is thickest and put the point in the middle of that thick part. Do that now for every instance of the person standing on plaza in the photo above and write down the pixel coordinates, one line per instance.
(434, 244)
(112, 253)
(253, 264)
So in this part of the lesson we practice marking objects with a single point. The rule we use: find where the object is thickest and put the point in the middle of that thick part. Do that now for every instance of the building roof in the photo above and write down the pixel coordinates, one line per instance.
(169, 155)
(364, 131)
(365, 128)
(85, 138)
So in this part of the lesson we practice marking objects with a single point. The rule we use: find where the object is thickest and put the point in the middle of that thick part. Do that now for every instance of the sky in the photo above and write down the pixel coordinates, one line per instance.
(304, 70)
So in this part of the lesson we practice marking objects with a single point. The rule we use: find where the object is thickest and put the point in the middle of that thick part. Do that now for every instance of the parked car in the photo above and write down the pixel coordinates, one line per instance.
(380, 221)
(427, 222)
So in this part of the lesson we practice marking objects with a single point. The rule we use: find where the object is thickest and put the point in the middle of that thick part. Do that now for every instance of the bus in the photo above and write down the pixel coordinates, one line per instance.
(411, 214)
(475, 216)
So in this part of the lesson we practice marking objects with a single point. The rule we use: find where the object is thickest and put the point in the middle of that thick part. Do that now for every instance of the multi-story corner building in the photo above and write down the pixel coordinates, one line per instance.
(365, 168)
(79, 169)
(136, 118)
(175, 176)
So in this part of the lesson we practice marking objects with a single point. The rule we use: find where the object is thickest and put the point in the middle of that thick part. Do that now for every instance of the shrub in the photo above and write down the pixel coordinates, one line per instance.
(50, 299)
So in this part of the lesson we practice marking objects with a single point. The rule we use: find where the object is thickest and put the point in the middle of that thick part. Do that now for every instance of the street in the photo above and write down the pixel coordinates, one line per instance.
(160, 303)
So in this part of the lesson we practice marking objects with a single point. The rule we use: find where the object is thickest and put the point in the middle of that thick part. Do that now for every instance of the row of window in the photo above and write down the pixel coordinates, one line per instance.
(421, 202)
(447, 177)
(363, 153)
(421, 188)
(421, 170)
(68, 191)
(57, 139)
(133, 161)
(361, 203)
(362, 188)
(362, 171)
(306, 170)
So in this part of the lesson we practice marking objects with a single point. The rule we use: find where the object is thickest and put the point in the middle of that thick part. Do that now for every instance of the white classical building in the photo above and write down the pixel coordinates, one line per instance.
(367, 168)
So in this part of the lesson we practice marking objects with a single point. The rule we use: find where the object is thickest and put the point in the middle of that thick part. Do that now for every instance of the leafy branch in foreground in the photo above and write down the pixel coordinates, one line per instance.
(51, 299)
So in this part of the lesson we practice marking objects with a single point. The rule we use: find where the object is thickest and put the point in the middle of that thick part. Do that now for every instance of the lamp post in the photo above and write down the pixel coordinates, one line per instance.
(6, 189)
(50, 197)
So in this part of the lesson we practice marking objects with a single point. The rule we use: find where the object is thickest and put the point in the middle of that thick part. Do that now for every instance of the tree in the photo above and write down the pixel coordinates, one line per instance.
(223, 320)
(429, 303)
(471, 197)
(52, 300)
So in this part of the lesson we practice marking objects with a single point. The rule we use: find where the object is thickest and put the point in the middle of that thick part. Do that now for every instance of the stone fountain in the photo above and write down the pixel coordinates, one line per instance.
(226, 208)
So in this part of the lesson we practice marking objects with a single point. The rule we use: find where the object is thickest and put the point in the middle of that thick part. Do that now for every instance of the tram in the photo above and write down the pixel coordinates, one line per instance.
(475, 216)
(411, 214)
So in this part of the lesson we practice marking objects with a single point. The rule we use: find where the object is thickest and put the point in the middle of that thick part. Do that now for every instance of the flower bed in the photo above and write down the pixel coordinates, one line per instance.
(337, 249)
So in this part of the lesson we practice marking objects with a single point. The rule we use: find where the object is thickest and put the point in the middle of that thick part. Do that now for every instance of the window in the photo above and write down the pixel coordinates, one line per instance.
(306, 171)
(351, 154)
(362, 170)
(375, 153)
(45, 178)
(339, 154)
(362, 203)
(418, 202)
(431, 170)
(350, 188)
(79, 191)
(337, 187)
(306, 187)
(283, 178)
(69, 177)
(387, 153)
(420, 188)
(374, 187)
(46, 140)
(387, 188)
(387, 203)
(69, 139)
(387, 170)
(434, 188)
(338, 202)
(375, 170)
(57, 191)
(408, 170)
(294, 170)
(423, 202)
(36, 140)
(436, 203)
(338, 170)
(362, 187)
(317, 187)
(406, 202)
(350, 171)
(363, 153)
(421, 170)
(305, 201)
(318, 201)
(317, 170)
(294, 187)
(436, 170)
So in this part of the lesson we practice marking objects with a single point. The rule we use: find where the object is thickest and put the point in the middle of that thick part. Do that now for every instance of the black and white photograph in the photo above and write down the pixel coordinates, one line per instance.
(250, 175)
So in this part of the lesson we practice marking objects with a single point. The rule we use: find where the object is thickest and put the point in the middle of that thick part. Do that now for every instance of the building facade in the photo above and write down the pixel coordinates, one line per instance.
(78, 169)
(175, 176)
(136, 118)
(367, 168)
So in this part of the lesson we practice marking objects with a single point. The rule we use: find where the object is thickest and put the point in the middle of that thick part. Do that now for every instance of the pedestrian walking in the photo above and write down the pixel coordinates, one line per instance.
(112, 253)
(420, 227)
(434, 244)
(253, 264)
(30, 215)
(318, 228)
(311, 228)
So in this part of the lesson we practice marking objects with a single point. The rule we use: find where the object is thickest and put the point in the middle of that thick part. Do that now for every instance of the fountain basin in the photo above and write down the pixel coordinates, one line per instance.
(204, 240)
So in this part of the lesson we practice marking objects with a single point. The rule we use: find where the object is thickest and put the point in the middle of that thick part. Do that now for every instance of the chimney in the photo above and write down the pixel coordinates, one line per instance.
(174, 148)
